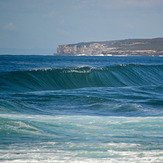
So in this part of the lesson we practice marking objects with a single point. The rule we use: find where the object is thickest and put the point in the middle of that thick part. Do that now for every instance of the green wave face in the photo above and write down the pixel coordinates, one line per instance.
(81, 77)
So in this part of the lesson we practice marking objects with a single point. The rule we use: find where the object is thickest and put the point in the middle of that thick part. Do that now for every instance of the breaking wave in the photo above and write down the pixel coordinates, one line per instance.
(81, 77)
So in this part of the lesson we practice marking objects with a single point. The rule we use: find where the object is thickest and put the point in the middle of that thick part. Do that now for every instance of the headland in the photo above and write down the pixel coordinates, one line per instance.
(127, 47)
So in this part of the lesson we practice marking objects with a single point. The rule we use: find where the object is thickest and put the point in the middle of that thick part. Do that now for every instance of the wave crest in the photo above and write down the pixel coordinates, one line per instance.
(80, 77)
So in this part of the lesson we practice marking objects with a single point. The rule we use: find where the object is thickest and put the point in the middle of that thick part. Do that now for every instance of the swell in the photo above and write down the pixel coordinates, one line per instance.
(81, 77)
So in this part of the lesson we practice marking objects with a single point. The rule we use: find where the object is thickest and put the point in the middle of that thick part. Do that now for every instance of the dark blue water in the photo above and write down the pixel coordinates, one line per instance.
(81, 109)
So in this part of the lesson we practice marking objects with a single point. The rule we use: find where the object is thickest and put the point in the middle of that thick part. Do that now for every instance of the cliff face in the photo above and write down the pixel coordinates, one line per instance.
(122, 47)
(81, 49)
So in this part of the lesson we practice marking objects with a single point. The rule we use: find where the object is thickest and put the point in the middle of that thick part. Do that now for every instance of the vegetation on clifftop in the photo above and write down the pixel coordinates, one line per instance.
(118, 47)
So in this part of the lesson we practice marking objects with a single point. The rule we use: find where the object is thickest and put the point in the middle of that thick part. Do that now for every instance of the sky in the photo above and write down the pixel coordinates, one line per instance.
(45, 24)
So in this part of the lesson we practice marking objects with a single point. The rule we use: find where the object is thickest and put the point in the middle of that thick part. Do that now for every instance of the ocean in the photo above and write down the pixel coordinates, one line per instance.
(58, 109)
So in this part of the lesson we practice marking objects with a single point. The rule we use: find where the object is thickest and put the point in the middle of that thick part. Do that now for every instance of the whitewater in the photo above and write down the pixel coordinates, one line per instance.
(81, 109)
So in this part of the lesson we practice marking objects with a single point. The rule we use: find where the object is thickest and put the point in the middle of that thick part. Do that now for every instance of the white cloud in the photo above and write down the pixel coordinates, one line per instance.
(10, 27)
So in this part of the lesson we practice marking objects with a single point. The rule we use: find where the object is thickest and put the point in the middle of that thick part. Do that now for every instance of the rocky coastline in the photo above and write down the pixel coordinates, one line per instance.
(129, 47)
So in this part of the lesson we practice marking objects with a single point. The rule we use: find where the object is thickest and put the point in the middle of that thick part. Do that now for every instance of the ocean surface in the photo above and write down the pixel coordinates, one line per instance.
(81, 109)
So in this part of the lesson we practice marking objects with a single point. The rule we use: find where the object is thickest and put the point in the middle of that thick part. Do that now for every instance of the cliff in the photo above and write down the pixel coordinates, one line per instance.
(129, 47)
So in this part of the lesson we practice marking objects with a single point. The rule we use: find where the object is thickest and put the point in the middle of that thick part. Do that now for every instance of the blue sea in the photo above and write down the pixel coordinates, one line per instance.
(58, 109)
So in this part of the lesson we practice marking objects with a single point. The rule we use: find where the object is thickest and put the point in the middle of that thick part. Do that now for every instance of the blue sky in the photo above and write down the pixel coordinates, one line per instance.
(49, 23)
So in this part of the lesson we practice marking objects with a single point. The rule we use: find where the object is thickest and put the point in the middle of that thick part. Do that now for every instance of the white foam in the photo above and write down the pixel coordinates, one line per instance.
(111, 156)
(86, 135)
